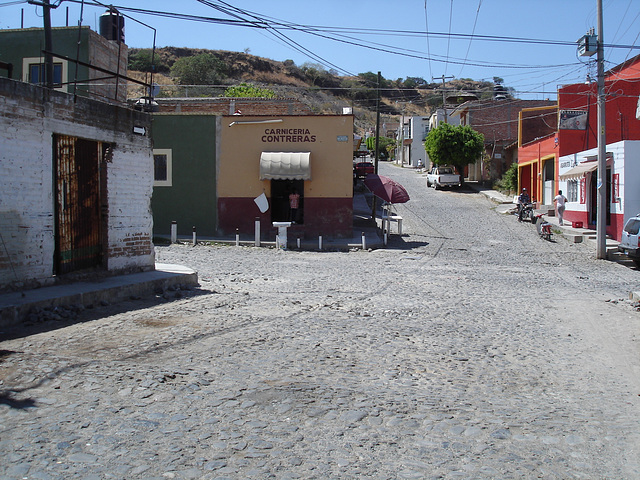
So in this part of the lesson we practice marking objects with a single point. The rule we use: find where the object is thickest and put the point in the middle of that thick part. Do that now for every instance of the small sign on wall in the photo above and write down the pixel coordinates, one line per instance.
(343, 138)
(615, 190)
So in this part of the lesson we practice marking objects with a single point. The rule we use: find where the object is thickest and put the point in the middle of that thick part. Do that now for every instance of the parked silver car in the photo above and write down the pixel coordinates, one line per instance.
(630, 241)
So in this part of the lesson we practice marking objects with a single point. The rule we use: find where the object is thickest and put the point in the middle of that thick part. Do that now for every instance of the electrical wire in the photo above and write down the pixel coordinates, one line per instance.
(473, 31)
(426, 25)
(448, 38)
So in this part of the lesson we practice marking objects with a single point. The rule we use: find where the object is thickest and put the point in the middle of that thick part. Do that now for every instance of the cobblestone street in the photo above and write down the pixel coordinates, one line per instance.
(469, 348)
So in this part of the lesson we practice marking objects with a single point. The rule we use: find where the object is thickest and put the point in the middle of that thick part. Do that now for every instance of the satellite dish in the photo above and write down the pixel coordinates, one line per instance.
(154, 90)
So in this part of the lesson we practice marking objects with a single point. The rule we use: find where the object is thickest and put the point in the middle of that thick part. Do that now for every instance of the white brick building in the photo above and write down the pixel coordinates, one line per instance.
(75, 187)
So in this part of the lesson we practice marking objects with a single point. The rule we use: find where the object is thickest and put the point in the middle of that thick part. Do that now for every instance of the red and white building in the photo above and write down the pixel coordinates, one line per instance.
(564, 158)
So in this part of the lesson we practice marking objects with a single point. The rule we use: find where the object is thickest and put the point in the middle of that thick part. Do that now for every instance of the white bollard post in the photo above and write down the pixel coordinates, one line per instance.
(174, 232)
(298, 243)
(385, 236)
(364, 241)
(319, 242)
(194, 236)
(237, 238)
(257, 240)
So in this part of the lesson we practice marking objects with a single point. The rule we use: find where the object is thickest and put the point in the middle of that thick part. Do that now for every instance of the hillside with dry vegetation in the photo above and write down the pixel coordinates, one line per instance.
(188, 72)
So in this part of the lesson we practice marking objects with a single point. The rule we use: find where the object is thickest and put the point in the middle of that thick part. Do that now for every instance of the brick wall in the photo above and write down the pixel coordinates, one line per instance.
(228, 106)
(104, 53)
(29, 116)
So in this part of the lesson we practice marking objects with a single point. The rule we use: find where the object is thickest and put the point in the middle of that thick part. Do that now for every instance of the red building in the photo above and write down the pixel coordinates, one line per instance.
(574, 130)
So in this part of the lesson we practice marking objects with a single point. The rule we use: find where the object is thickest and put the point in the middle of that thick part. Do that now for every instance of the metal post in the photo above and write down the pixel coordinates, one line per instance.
(319, 242)
(601, 227)
(257, 227)
(237, 238)
(194, 236)
(174, 232)
(364, 241)
(298, 241)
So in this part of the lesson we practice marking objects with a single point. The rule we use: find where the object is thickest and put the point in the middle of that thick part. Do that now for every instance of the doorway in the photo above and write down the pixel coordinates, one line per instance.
(593, 202)
(548, 179)
(280, 208)
(77, 190)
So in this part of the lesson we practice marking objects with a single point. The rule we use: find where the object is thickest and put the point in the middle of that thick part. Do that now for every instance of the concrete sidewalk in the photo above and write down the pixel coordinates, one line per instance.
(15, 306)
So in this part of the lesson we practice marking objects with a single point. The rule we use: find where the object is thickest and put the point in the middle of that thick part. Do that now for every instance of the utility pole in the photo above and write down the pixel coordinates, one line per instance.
(377, 156)
(48, 58)
(601, 220)
(444, 102)
(402, 138)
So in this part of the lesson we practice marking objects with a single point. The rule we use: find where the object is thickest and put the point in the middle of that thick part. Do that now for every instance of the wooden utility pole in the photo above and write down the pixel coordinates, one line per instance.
(48, 58)
(377, 156)
(444, 97)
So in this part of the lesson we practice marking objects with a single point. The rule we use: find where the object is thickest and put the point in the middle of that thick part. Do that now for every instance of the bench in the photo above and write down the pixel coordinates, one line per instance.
(393, 218)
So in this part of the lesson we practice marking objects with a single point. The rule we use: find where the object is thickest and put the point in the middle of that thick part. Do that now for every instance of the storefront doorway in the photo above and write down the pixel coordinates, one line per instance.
(280, 208)
(593, 203)
(548, 179)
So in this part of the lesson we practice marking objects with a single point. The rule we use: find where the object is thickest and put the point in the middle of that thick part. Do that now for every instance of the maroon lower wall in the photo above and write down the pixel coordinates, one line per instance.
(331, 217)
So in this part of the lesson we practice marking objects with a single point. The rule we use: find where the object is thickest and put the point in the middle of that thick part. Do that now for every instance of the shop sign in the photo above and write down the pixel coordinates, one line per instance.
(615, 190)
(573, 120)
(288, 135)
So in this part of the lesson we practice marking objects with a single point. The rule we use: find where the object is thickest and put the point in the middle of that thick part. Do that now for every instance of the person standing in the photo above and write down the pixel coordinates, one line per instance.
(294, 203)
(560, 201)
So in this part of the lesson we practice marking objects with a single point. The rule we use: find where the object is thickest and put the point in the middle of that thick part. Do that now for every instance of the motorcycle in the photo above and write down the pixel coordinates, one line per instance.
(543, 227)
(526, 212)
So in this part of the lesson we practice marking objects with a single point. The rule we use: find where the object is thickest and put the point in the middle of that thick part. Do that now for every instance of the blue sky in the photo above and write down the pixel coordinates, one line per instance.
(389, 37)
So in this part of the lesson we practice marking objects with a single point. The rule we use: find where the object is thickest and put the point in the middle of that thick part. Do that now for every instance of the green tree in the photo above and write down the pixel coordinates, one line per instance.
(413, 82)
(383, 143)
(249, 91)
(509, 180)
(454, 145)
(202, 69)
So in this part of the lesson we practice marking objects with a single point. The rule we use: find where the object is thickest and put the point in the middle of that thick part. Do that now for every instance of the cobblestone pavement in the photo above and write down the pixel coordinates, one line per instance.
(469, 348)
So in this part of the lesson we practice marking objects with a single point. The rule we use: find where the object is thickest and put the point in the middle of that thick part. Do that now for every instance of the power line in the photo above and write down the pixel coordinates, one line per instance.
(475, 22)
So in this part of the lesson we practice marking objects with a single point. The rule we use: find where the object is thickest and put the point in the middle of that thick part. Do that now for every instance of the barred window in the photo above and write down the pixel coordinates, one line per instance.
(572, 190)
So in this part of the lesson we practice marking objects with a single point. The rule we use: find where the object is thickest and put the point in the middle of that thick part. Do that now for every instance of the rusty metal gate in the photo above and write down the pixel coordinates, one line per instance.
(77, 202)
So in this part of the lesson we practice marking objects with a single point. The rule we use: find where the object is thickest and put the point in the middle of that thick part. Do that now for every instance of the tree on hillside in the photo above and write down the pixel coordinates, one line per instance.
(413, 82)
(454, 145)
(247, 90)
(202, 69)
(141, 61)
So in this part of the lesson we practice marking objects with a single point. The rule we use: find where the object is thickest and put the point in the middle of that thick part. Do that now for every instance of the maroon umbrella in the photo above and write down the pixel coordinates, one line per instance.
(386, 189)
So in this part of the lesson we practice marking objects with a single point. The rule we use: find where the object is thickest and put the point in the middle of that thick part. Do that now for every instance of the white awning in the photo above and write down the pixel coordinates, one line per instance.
(579, 170)
(285, 166)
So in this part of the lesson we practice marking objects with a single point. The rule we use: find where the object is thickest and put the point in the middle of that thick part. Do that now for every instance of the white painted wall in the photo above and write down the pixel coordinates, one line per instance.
(29, 116)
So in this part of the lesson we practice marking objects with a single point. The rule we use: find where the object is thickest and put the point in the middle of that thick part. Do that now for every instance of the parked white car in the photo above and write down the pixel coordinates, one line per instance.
(630, 241)
(443, 176)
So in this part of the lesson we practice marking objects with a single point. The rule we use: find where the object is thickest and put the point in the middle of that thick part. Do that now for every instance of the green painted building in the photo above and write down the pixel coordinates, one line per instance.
(21, 51)
(184, 144)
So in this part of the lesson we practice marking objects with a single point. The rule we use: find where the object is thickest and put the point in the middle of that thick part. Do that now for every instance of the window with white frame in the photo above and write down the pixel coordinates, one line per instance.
(162, 167)
(33, 72)
(572, 190)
